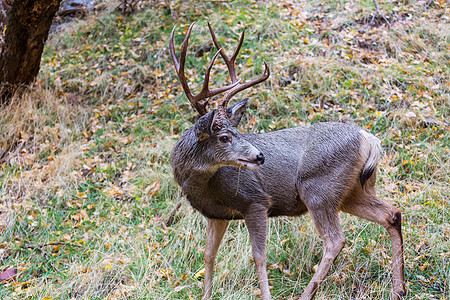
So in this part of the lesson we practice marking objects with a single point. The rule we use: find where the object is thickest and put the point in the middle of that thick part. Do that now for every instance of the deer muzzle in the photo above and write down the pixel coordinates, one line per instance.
(260, 159)
(253, 163)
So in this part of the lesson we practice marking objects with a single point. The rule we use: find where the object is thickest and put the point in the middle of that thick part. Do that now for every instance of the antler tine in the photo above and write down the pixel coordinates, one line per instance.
(200, 100)
(230, 62)
(179, 67)
(172, 52)
(240, 87)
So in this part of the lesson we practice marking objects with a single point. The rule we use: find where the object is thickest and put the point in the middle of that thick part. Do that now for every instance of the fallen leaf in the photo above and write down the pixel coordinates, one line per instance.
(200, 273)
(8, 274)
(153, 189)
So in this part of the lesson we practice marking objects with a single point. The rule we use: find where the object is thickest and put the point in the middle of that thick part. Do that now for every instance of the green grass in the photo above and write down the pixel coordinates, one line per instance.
(85, 156)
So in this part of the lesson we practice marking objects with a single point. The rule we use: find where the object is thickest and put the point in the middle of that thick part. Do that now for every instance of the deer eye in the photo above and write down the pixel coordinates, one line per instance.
(225, 139)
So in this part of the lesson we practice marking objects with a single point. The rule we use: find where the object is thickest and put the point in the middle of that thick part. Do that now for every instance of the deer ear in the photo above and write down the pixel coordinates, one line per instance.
(203, 126)
(236, 111)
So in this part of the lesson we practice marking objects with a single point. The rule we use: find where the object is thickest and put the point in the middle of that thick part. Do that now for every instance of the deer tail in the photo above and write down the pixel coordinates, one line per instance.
(370, 148)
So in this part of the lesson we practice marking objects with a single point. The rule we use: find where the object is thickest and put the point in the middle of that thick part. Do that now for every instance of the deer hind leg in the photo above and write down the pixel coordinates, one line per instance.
(214, 234)
(369, 207)
(327, 224)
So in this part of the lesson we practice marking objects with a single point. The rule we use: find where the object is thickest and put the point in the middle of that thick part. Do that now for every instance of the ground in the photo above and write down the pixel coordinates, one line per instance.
(85, 179)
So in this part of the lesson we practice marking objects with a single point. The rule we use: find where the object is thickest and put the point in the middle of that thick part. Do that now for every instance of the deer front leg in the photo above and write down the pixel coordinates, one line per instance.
(256, 221)
(327, 224)
(214, 234)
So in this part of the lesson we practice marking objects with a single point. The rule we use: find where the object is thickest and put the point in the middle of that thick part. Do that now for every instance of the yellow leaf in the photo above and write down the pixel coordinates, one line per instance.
(153, 189)
(108, 266)
(424, 266)
(200, 273)
(81, 195)
(56, 248)
(47, 298)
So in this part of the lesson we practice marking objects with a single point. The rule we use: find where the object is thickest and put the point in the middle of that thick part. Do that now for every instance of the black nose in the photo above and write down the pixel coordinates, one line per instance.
(260, 158)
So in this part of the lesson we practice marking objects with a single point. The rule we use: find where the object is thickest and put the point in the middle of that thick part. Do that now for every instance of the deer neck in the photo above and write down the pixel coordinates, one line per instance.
(191, 167)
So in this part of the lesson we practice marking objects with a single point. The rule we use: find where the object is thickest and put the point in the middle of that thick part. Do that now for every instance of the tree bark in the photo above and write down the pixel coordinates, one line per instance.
(27, 30)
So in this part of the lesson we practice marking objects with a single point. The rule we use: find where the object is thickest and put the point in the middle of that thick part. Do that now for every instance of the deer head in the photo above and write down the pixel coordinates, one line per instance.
(215, 130)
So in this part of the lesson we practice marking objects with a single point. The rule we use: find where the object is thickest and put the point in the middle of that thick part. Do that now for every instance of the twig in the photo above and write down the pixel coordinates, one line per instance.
(58, 243)
(65, 12)
(169, 220)
(377, 6)
(104, 25)
(237, 186)
(429, 3)
(43, 253)
(39, 247)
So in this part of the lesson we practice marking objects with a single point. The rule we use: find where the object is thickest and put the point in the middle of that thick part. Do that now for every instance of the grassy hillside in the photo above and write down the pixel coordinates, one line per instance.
(85, 180)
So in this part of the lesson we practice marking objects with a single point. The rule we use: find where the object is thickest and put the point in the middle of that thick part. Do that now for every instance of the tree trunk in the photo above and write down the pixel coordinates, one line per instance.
(27, 30)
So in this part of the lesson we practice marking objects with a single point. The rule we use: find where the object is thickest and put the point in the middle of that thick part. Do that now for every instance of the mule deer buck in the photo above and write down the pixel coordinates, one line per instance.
(321, 169)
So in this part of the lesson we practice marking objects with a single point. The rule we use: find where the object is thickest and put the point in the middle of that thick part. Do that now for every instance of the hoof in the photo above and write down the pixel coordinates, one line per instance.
(398, 295)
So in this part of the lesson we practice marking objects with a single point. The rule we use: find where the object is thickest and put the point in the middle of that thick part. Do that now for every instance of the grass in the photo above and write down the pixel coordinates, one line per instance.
(85, 155)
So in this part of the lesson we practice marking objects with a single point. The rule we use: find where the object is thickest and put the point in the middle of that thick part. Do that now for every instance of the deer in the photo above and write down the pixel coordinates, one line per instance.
(321, 169)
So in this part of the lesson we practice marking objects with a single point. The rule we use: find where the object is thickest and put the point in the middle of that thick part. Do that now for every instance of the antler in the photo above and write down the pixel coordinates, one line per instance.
(230, 62)
(200, 100)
